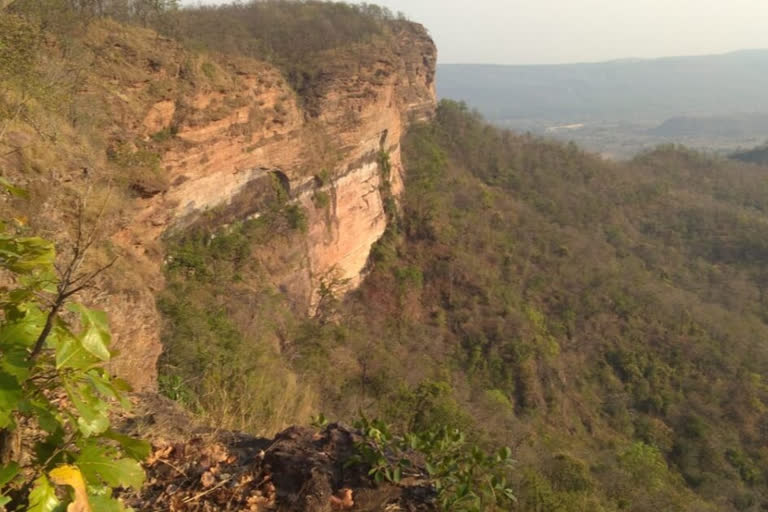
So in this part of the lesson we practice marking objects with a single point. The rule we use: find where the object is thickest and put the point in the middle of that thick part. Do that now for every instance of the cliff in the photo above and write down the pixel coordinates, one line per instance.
(249, 130)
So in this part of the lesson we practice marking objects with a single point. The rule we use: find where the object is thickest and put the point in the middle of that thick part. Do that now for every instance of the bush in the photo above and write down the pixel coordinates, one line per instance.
(19, 43)
(140, 167)
(321, 199)
(465, 477)
(215, 361)
(54, 388)
(296, 218)
(208, 70)
(569, 474)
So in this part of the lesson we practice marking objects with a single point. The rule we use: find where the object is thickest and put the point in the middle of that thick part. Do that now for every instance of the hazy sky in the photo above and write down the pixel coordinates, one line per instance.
(556, 31)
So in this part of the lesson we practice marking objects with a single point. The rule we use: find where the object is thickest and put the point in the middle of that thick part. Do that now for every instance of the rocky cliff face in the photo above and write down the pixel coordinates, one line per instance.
(323, 151)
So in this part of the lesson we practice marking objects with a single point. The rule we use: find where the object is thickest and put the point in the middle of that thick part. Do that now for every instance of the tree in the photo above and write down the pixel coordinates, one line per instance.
(55, 394)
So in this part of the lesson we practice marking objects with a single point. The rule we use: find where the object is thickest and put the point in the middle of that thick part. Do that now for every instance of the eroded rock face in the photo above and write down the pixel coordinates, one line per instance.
(361, 108)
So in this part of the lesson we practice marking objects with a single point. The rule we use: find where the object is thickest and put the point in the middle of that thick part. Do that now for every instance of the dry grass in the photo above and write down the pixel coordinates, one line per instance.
(262, 403)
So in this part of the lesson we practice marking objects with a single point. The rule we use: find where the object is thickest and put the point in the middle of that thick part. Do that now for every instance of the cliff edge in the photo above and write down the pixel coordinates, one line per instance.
(231, 142)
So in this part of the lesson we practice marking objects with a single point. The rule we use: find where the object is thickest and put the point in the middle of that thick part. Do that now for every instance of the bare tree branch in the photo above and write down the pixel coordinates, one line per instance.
(72, 282)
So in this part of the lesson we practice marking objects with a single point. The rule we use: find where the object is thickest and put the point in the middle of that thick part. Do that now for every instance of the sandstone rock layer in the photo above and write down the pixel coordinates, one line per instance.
(364, 100)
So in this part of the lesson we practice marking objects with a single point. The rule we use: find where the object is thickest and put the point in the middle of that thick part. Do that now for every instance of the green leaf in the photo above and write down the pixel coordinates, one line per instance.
(10, 395)
(107, 387)
(8, 472)
(43, 497)
(96, 464)
(93, 418)
(95, 342)
(13, 190)
(14, 361)
(4, 500)
(121, 385)
(45, 413)
(103, 503)
(70, 352)
(25, 328)
(47, 450)
(95, 336)
(134, 448)
(26, 255)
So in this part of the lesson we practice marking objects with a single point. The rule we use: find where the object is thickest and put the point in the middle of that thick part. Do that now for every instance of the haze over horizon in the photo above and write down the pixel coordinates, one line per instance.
(576, 31)
(613, 60)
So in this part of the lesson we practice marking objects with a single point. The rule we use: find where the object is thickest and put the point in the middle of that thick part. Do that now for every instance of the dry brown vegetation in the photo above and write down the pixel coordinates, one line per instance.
(605, 319)
(608, 320)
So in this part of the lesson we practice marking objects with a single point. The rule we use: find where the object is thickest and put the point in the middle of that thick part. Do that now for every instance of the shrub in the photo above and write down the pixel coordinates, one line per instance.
(569, 474)
(54, 388)
(321, 199)
(296, 218)
(214, 361)
(139, 168)
(465, 477)
(208, 70)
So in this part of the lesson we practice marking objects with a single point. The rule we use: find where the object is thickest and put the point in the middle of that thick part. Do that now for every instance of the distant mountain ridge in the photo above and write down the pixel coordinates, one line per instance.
(642, 90)
(714, 126)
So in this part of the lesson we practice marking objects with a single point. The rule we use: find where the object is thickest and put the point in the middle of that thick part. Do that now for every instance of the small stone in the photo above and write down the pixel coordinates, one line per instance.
(207, 479)
(343, 500)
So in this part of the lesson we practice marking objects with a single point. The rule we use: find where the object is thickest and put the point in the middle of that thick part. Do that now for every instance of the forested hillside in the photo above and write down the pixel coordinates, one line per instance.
(606, 320)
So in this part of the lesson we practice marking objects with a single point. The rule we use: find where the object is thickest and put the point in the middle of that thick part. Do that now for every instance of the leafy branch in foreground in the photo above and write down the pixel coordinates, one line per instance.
(466, 478)
(55, 394)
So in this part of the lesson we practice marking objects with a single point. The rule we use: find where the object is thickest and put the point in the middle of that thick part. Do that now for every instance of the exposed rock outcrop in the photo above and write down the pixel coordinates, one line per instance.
(301, 470)
(363, 102)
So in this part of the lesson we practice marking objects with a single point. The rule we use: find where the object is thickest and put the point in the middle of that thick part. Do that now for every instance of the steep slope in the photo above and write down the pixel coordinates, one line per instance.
(606, 320)
(178, 138)
(363, 110)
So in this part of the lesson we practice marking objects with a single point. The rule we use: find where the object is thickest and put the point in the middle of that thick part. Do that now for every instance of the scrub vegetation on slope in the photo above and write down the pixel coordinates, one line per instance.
(605, 319)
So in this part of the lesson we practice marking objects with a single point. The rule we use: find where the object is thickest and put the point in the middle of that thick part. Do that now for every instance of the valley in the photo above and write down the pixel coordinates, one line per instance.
(713, 103)
(289, 266)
